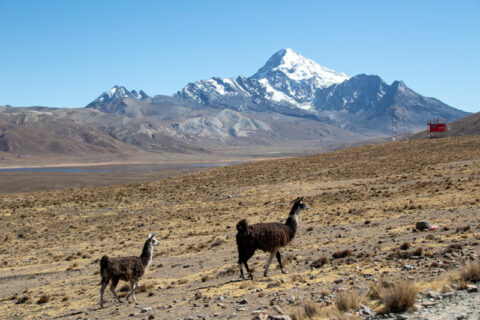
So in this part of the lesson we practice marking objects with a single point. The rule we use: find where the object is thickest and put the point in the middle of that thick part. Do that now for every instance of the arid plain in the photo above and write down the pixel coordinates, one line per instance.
(365, 199)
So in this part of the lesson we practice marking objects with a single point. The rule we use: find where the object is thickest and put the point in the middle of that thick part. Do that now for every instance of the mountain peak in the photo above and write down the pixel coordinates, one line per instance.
(298, 68)
(119, 92)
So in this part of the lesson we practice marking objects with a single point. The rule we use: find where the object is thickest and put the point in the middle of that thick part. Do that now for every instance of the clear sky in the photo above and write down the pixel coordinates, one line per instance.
(66, 53)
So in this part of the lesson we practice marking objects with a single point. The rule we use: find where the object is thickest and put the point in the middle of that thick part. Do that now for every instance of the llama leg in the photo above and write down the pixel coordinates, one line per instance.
(113, 285)
(279, 258)
(135, 284)
(272, 254)
(250, 275)
(102, 290)
(241, 270)
(132, 289)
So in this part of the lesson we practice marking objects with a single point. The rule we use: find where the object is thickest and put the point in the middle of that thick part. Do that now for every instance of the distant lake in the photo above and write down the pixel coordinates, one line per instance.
(122, 167)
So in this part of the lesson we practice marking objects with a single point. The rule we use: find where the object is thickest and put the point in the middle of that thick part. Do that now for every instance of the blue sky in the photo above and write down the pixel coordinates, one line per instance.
(65, 53)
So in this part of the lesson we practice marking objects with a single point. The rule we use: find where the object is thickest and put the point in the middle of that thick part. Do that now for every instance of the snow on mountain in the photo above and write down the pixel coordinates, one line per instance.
(288, 76)
(287, 79)
(119, 92)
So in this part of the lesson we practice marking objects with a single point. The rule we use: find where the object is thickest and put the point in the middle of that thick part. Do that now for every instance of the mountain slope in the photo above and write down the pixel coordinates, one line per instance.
(364, 103)
(87, 130)
(36, 132)
(293, 85)
(286, 80)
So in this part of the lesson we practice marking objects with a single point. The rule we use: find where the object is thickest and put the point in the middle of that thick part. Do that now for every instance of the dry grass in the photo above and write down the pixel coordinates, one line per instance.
(399, 298)
(320, 262)
(310, 310)
(348, 300)
(190, 212)
(342, 254)
(43, 299)
(471, 273)
(377, 290)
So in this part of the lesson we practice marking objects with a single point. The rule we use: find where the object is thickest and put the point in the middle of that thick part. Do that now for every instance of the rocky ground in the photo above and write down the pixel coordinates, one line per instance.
(358, 234)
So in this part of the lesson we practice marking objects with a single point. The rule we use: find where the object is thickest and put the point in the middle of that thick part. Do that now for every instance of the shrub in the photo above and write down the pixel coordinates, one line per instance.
(310, 310)
(23, 299)
(342, 254)
(471, 272)
(405, 246)
(43, 299)
(320, 262)
(347, 300)
(400, 297)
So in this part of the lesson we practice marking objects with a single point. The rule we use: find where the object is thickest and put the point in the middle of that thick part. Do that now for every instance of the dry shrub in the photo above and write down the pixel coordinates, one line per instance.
(348, 300)
(376, 291)
(298, 278)
(274, 284)
(461, 284)
(23, 299)
(406, 254)
(342, 254)
(313, 310)
(454, 247)
(205, 278)
(43, 299)
(144, 287)
(463, 229)
(405, 246)
(471, 273)
(217, 242)
(320, 262)
(400, 297)
(230, 271)
(310, 310)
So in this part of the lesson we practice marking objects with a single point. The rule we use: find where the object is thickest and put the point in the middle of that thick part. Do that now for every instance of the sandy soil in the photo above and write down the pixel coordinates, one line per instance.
(365, 199)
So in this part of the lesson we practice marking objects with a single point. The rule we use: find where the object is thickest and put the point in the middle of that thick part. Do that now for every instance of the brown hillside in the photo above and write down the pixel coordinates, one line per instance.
(365, 199)
(464, 127)
(65, 139)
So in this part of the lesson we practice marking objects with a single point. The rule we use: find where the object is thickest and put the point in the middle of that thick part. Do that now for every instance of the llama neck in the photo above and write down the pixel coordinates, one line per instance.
(147, 254)
(292, 223)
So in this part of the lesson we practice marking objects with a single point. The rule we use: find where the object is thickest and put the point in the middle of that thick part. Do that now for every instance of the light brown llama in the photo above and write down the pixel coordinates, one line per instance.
(129, 269)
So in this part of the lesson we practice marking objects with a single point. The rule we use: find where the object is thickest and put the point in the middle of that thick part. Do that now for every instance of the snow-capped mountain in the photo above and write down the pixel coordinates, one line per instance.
(288, 76)
(290, 85)
(119, 92)
(287, 79)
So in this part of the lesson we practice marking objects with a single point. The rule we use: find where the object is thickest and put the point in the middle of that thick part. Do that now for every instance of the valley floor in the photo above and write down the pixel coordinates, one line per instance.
(365, 199)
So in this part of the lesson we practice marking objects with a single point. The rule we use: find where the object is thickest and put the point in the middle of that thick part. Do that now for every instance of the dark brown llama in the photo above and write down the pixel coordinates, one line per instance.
(268, 237)
(129, 269)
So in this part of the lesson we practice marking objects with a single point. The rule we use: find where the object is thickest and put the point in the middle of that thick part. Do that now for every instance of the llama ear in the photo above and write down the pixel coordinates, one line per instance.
(151, 235)
(300, 199)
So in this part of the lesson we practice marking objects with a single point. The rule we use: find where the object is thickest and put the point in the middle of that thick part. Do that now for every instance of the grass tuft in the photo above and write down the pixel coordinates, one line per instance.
(348, 300)
(43, 299)
(342, 254)
(471, 273)
(399, 298)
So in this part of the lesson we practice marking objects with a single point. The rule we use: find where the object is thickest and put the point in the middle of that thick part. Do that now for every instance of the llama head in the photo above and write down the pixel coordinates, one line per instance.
(298, 206)
(152, 240)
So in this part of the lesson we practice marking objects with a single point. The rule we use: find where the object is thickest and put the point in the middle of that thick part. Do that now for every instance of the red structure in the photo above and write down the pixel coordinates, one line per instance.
(437, 128)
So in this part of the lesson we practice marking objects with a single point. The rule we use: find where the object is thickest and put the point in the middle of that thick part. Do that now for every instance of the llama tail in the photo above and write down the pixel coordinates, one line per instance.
(242, 226)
